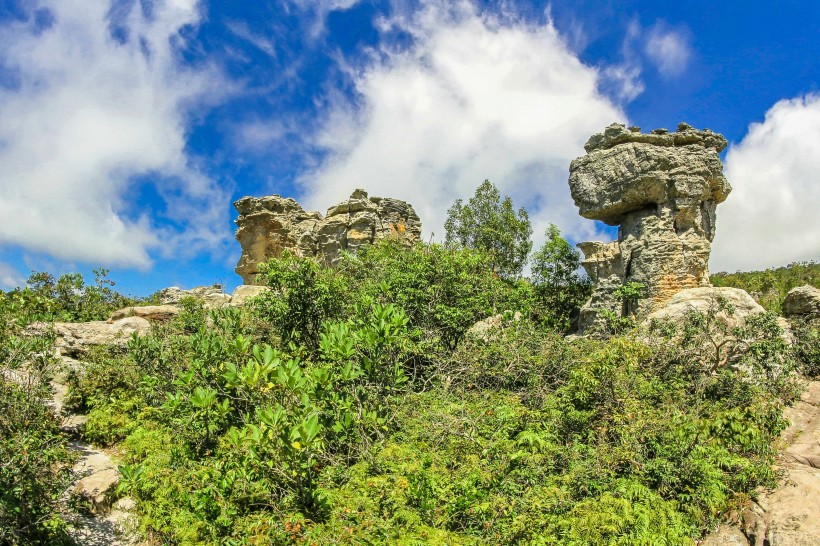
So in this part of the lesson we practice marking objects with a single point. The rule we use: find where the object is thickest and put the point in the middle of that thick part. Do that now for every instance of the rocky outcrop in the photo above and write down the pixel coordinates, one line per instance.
(76, 338)
(803, 301)
(268, 225)
(244, 292)
(152, 313)
(210, 296)
(662, 190)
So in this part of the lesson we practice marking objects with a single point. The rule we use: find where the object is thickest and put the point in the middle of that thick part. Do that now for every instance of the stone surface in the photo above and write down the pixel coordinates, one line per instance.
(483, 328)
(705, 298)
(244, 292)
(211, 296)
(97, 489)
(76, 338)
(662, 190)
(788, 515)
(269, 225)
(802, 301)
(159, 313)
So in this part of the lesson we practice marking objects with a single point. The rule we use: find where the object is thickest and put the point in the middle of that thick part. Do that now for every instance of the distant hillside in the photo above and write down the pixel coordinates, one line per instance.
(769, 287)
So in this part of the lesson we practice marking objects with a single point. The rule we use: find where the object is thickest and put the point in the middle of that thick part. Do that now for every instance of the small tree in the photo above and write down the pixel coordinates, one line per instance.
(490, 224)
(560, 289)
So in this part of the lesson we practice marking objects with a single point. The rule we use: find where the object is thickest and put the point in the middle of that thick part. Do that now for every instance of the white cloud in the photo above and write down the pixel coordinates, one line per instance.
(10, 277)
(475, 97)
(668, 49)
(90, 113)
(771, 217)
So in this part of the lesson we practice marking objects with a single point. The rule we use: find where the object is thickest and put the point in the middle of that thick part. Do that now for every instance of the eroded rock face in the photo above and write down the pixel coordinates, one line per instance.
(268, 225)
(662, 190)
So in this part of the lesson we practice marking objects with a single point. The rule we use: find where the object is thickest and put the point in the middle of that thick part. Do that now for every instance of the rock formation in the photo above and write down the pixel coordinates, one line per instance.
(662, 190)
(268, 225)
(803, 301)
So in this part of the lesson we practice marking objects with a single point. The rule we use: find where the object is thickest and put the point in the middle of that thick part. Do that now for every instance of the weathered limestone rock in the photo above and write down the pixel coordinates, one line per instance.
(662, 189)
(76, 338)
(211, 296)
(244, 292)
(802, 301)
(159, 313)
(707, 298)
(268, 225)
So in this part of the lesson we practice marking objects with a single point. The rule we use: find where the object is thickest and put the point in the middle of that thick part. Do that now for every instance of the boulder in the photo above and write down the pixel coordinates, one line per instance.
(76, 338)
(705, 298)
(802, 301)
(244, 292)
(662, 190)
(153, 313)
(269, 225)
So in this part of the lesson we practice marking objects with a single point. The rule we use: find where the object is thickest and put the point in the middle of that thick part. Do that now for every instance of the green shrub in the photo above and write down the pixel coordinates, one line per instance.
(35, 464)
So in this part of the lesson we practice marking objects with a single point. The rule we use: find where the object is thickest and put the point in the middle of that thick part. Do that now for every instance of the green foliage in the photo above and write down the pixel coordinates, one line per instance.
(807, 345)
(490, 224)
(34, 460)
(67, 299)
(770, 287)
(303, 295)
(350, 406)
(443, 291)
(560, 289)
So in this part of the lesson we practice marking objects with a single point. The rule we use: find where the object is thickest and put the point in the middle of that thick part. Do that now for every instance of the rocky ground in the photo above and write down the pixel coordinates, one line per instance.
(790, 514)
(102, 522)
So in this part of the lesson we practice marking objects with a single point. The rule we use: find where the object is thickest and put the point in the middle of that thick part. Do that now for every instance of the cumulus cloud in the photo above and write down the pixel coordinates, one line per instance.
(10, 277)
(100, 97)
(474, 97)
(668, 49)
(771, 217)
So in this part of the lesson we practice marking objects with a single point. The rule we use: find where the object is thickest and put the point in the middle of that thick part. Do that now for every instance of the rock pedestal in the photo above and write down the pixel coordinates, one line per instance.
(269, 225)
(662, 190)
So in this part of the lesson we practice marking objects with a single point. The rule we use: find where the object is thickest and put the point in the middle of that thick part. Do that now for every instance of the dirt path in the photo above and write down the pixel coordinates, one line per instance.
(96, 477)
(790, 514)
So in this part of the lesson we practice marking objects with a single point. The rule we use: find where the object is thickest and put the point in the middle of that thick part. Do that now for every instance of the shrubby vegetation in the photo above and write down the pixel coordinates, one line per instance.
(365, 413)
(770, 287)
(34, 461)
(353, 405)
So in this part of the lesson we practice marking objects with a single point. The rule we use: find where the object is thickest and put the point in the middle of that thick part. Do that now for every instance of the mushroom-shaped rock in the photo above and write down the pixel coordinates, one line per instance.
(662, 190)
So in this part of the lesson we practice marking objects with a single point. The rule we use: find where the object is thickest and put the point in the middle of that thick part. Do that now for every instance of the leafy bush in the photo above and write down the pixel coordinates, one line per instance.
(66, 299)
(561, 290)
(443, 291)
(303, 295)
(35, 464)
(770, 287)
(490, 224)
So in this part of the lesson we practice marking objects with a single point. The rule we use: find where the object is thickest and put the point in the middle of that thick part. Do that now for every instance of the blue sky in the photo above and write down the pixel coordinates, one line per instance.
(127, 128)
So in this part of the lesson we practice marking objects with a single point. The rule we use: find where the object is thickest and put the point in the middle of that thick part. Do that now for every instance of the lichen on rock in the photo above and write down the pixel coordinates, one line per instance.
(269, 225)
(662, 190)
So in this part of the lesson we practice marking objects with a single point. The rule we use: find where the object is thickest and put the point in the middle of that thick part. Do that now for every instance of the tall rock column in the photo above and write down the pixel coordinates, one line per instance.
(662, 190)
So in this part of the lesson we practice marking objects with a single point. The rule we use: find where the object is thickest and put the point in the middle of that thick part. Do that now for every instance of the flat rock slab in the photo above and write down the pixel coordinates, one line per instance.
(98, 490)
(153, 313)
